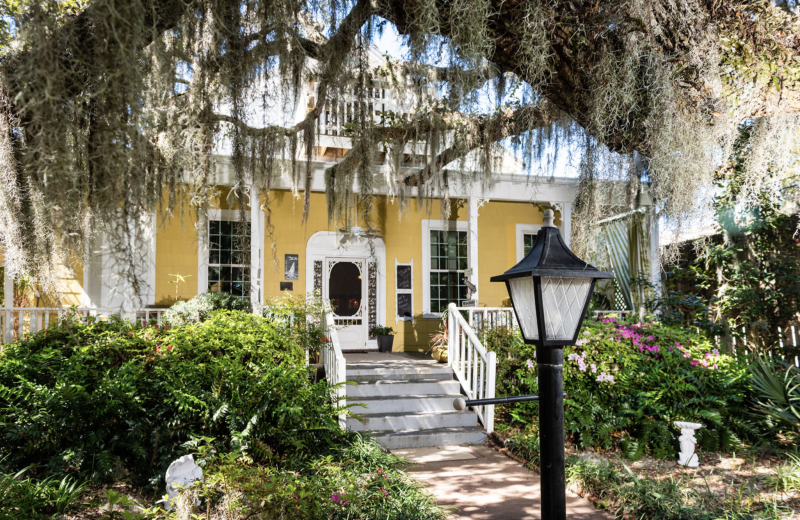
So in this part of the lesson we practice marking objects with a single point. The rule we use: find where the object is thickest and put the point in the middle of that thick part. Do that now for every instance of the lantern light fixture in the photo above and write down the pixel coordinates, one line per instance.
(550, 289)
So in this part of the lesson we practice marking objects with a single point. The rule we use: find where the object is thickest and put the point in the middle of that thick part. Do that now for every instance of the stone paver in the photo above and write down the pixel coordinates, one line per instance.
(492, 486)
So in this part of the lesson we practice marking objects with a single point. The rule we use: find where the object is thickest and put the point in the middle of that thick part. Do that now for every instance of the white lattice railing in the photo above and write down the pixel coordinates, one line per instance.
(473, 365)
(15, 322)
(335, 364)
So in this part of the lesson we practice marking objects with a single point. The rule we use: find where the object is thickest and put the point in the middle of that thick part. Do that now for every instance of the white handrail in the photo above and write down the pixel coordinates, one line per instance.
(474, 366)
(335, 364)
(34, 319)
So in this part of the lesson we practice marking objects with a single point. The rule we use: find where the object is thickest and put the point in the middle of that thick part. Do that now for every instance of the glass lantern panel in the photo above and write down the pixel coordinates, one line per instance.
(564, 300)
(524, 303)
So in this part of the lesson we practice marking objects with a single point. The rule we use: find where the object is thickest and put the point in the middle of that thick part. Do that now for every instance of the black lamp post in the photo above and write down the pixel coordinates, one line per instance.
(550, 291)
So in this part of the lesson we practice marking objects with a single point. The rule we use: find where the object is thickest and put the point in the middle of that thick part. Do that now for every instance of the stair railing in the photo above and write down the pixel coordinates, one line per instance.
(335, 364)
(474, 366)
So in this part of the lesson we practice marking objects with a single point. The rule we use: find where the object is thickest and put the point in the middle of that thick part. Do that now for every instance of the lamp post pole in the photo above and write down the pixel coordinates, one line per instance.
(550, 290)
(550, 363)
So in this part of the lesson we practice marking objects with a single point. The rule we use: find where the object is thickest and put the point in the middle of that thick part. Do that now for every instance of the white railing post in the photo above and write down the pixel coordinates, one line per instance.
(335, 365)
(452, 351)
(491, 373)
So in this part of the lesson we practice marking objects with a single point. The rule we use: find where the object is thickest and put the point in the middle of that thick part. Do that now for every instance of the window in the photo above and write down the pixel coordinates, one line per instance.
(404, 287)
(526, 237)
(527, 243)
(229, 257)
(448, 250)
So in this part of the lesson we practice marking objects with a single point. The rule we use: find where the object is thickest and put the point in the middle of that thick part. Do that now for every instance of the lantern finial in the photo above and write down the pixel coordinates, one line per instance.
(548, 218)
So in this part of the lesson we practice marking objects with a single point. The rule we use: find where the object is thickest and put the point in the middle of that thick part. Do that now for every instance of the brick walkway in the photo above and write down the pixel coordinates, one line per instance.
(485, 484)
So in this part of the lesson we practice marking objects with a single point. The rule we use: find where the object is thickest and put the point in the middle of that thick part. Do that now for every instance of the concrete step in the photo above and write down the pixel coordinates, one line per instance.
(396, 387)
(372, 372)
(384, 404)
(422, 438)
(412, 421)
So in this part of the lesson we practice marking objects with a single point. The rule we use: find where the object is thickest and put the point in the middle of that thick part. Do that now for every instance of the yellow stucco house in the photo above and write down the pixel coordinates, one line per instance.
(403, 274)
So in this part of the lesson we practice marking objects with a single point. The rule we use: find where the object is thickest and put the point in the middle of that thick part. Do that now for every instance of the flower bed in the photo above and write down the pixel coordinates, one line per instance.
(626, 383)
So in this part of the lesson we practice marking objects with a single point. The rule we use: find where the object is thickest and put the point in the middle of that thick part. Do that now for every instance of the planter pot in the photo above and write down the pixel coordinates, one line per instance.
(385, 343)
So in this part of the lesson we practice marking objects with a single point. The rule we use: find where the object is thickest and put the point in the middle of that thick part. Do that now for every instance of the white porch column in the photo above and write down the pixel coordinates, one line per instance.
(256, 246)
(8, 302)
(655, 254)
(566, 221)
(472, 245)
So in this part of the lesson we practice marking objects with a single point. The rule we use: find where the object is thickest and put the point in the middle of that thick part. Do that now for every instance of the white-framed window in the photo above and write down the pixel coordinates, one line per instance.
(404, 291)
(526, 236)
(229, 257)
(225, 264)
(445, 258)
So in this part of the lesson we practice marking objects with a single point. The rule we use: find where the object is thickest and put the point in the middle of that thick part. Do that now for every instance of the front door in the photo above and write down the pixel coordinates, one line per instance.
(346, 288)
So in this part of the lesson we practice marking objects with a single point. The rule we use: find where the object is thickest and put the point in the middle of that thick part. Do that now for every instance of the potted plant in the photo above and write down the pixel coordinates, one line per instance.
(385, 337)
(439, 343)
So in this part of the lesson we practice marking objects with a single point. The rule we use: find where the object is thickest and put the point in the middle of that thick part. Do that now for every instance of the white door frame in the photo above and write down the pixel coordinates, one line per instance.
(325, 244)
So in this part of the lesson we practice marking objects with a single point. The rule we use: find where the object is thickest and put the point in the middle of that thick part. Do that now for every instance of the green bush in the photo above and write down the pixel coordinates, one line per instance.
(354, 480)
(627, 382)
(23, 497)
(109, 400)
(777, 387)
(200, 307)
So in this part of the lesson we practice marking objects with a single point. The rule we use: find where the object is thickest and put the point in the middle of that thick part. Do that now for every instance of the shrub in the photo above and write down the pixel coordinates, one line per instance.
(200, 307)
(23, 498)
(777, 386)
(627, 382)
(107, 400)
(354, 480)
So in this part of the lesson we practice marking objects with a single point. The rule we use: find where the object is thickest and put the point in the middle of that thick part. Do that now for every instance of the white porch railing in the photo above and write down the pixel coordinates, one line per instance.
(474, 366)
(15, 322)
(335, 364)
(490, 317)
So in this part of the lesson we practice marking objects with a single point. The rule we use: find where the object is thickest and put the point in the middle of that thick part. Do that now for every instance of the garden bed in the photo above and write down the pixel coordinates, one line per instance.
(740, 483)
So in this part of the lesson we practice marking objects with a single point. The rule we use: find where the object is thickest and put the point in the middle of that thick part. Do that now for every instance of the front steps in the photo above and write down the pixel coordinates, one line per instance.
(406, 401)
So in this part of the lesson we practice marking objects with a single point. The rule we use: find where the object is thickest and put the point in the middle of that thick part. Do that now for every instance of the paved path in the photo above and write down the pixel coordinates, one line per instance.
(484, 484)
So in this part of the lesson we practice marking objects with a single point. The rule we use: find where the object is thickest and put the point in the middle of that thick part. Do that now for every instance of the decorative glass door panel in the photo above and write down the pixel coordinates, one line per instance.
(345, 289)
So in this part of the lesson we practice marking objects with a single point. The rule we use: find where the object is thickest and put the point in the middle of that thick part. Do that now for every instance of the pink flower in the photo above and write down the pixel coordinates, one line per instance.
(686, 354)
(594, 368)
(714, 367)
(336, 498)
(695, 363)
(530, 363)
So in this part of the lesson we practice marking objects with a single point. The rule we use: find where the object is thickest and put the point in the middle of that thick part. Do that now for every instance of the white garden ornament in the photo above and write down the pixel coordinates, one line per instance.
(180, 474)
(687, 457)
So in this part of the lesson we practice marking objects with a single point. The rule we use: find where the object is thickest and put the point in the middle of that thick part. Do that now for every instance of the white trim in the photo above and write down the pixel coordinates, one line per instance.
(225, 215)
(257, 287)
(522, 230)
(472, 248)
(566, 222)
(397, 290)
(428, 226)
(325, 244)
